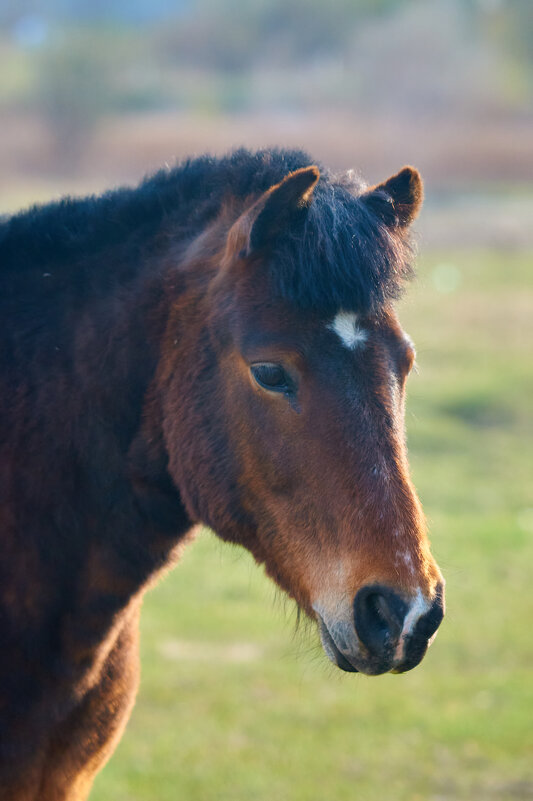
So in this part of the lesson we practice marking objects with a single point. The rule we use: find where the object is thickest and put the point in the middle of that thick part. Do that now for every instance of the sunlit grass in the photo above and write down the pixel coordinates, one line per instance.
(235, 706)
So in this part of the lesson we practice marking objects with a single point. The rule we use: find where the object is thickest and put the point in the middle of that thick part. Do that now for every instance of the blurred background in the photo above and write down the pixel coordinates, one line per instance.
(233, 703)
(94, 93)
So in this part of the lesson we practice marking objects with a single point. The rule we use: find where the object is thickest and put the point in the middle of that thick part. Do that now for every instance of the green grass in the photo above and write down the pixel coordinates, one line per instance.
(234, 706)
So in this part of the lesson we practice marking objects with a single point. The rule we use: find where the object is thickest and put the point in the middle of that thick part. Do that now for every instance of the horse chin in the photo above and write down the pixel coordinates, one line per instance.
(351, 663)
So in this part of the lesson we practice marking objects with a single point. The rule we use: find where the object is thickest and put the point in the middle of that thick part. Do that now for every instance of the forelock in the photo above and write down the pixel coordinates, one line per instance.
(339, 254)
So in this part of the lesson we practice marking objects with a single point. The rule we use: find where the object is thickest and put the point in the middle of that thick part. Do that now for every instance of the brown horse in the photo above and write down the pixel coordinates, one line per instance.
(217, 346)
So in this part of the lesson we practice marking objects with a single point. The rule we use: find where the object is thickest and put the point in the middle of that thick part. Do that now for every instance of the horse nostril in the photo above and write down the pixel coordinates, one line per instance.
(378, 615)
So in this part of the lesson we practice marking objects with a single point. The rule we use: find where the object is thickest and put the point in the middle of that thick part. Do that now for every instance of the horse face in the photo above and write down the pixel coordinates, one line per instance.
(311, 472)
(316, 409)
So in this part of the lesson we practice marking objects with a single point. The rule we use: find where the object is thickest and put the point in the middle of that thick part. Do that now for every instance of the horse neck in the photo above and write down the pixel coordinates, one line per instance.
(81, 377)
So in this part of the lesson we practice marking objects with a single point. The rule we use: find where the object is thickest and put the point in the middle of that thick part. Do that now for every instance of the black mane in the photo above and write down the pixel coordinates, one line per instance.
(191, 192)
(340, 256)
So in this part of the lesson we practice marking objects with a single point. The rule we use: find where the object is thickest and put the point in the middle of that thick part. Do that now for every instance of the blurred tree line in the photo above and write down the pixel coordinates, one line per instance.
(81, 59)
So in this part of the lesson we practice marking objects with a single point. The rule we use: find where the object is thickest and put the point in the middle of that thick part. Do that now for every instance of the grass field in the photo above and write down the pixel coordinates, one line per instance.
(234, 705)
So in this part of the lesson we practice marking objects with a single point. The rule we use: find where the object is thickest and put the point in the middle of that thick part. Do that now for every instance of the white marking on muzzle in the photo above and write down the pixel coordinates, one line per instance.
(345, 326)
(407, 559)
(419, 607)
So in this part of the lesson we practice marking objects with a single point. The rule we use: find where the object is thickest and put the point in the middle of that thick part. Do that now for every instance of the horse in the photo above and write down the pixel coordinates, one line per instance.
(216, 346)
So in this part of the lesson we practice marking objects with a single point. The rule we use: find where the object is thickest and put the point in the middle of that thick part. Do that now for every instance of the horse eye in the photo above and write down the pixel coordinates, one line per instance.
(271, 376)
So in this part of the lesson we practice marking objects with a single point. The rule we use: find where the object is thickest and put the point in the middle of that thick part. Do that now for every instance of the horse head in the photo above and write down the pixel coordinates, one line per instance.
(283, 391)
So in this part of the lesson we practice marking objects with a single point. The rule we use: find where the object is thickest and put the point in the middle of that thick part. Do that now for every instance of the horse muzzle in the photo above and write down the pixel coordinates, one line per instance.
(386, 632)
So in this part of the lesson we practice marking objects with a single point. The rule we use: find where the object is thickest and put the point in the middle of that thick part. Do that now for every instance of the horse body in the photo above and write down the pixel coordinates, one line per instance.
(216, 346)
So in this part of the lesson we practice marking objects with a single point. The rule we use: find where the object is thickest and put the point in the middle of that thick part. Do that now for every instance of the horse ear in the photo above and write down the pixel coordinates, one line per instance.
(278, 205)
(397, 200)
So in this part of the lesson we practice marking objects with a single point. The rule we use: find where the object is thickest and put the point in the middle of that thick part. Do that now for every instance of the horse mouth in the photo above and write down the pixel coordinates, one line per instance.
(371, 666)
(344, 648)
(330, 647)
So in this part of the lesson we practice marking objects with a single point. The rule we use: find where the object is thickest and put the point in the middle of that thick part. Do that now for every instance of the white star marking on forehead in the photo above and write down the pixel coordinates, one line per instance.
(345, 326)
